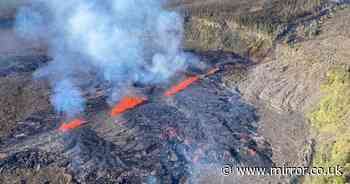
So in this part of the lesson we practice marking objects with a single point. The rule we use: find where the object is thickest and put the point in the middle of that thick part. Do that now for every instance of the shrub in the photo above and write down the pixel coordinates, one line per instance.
(331, 120)
(333, 110)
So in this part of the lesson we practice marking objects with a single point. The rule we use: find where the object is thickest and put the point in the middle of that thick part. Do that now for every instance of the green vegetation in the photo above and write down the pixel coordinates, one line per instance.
(205, 30)
(330, 155)
(312, 29)
(273, 18)
(333, 111)
(211, 34)
(220, 26)
(331, 120)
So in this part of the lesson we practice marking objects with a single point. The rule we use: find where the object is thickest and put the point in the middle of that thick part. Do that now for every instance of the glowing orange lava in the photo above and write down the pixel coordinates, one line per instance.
(212, 71)
(71, 125)
(126, 104)
(180, 87)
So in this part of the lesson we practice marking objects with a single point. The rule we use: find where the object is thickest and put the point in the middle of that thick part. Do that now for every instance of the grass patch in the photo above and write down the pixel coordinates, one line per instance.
(331, 121)
(218, 26)
(274, 17)
(271, 19)
(333, 111)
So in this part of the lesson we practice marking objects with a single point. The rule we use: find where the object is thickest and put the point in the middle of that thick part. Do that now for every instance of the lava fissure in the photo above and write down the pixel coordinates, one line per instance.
(65, 127)
(129, 102)
(181, 86)
(189, 81)
(126, 104)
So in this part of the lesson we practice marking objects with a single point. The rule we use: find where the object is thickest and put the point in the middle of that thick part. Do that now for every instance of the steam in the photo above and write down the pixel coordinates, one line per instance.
(73, 102)
(120, 41)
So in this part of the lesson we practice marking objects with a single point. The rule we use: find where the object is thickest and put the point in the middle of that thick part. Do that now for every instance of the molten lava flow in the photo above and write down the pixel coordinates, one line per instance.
(212, 71)
(183, 85)
(126, 104)
(71, 125)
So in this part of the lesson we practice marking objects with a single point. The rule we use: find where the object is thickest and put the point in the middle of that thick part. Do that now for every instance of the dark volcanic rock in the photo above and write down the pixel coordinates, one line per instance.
(165, 140)
(21, 64)
(205, 124)
(28, 159)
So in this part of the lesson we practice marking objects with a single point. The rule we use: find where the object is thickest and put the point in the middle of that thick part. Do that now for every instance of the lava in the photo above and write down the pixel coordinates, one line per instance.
(180, 87)
(126, 104)
(212, 71)
(71, 125)
(186, 83)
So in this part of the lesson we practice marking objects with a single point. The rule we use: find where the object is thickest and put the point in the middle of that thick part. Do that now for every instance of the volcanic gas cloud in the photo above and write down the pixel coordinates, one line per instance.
(118, 42)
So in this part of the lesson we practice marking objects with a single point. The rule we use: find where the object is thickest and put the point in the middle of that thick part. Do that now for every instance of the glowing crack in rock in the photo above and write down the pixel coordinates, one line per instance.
(126, 104)
(76, 123)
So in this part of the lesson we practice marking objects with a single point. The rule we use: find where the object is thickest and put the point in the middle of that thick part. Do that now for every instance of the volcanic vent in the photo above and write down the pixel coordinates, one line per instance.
(157, 137)
(129, 105)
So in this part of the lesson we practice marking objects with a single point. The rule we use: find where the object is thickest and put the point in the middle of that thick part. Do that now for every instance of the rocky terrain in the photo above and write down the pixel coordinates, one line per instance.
(281, 98)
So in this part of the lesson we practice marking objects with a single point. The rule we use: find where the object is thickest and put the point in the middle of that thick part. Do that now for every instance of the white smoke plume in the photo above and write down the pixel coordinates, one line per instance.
(122, 41)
